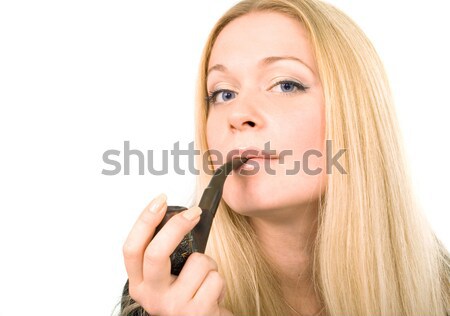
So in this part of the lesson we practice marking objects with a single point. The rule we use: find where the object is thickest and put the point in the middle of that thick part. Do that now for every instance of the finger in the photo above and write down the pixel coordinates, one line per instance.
(193, 275)
(157, 254)
(140, 236)
(210, 290)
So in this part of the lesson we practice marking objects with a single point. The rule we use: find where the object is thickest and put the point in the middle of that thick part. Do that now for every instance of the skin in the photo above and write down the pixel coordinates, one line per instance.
(251, 109)
(282, 209)
(198, 290)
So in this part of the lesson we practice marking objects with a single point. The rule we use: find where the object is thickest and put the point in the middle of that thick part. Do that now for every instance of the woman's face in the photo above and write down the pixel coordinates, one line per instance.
(265, 94)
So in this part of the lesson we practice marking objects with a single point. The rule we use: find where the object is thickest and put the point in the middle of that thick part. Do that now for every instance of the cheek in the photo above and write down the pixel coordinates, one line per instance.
(215, 140)
(216, 123)
(305, 131)
(211, 128)
(304, 138)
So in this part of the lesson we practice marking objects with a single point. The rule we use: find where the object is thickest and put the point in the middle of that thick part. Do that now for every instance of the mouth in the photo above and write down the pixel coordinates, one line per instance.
(252, 153)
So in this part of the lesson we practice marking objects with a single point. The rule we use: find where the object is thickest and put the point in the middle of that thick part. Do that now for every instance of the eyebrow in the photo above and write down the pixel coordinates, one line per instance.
(264, 62)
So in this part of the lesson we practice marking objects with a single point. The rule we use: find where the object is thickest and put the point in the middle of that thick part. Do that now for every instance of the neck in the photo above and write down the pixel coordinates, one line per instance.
(287, 237)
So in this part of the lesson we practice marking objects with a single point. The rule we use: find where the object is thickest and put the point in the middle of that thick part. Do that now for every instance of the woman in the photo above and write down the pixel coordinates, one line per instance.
(342, 234)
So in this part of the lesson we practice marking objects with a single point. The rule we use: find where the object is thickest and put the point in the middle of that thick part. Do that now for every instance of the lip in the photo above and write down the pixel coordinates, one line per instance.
(252, 152)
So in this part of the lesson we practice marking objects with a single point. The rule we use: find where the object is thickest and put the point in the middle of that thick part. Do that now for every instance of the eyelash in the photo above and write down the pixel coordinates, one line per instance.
(301, 88)
(212, 95)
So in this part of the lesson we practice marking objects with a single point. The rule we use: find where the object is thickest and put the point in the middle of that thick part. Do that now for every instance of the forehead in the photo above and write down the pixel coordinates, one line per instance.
(257, 35)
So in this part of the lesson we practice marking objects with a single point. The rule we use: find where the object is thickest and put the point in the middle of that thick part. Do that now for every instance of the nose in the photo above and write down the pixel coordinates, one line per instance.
(244, 115)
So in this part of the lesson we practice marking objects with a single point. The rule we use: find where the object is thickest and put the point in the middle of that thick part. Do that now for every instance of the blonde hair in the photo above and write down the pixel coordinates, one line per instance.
(375, 253)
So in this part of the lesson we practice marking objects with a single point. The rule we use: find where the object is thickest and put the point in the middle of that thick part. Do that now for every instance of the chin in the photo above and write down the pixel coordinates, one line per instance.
(265, 200)
(252, 202)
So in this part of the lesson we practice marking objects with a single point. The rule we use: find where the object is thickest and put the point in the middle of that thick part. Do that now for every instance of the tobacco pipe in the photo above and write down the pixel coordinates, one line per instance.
(196, 239)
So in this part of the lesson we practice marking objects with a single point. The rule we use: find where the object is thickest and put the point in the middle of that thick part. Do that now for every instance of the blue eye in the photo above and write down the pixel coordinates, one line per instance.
(288, 86)
(220, 96)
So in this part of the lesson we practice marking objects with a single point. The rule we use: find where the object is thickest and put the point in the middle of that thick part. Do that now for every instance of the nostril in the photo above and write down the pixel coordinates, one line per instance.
(252, 124)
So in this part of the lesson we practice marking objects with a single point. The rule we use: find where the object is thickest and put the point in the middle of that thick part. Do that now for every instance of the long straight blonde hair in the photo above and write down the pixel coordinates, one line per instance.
(375, 253)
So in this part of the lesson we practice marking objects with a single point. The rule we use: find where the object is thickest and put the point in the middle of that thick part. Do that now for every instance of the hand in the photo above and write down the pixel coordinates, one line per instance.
(198, 290)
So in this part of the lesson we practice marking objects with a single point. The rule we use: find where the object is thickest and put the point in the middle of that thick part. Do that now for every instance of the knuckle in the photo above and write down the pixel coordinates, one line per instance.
(216, 278)
(213, 263)
(151, 256)
(146, 298)
(203, 261)
(198, 258)
(129, 250)
(146, 218)
(134, 293)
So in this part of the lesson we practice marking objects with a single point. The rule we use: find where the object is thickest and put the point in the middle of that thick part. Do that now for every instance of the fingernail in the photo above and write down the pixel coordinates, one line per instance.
(192, 213)
(157, 202)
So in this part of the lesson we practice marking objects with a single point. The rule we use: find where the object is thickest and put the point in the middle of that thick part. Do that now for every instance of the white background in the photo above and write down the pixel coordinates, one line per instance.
(78, 78)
